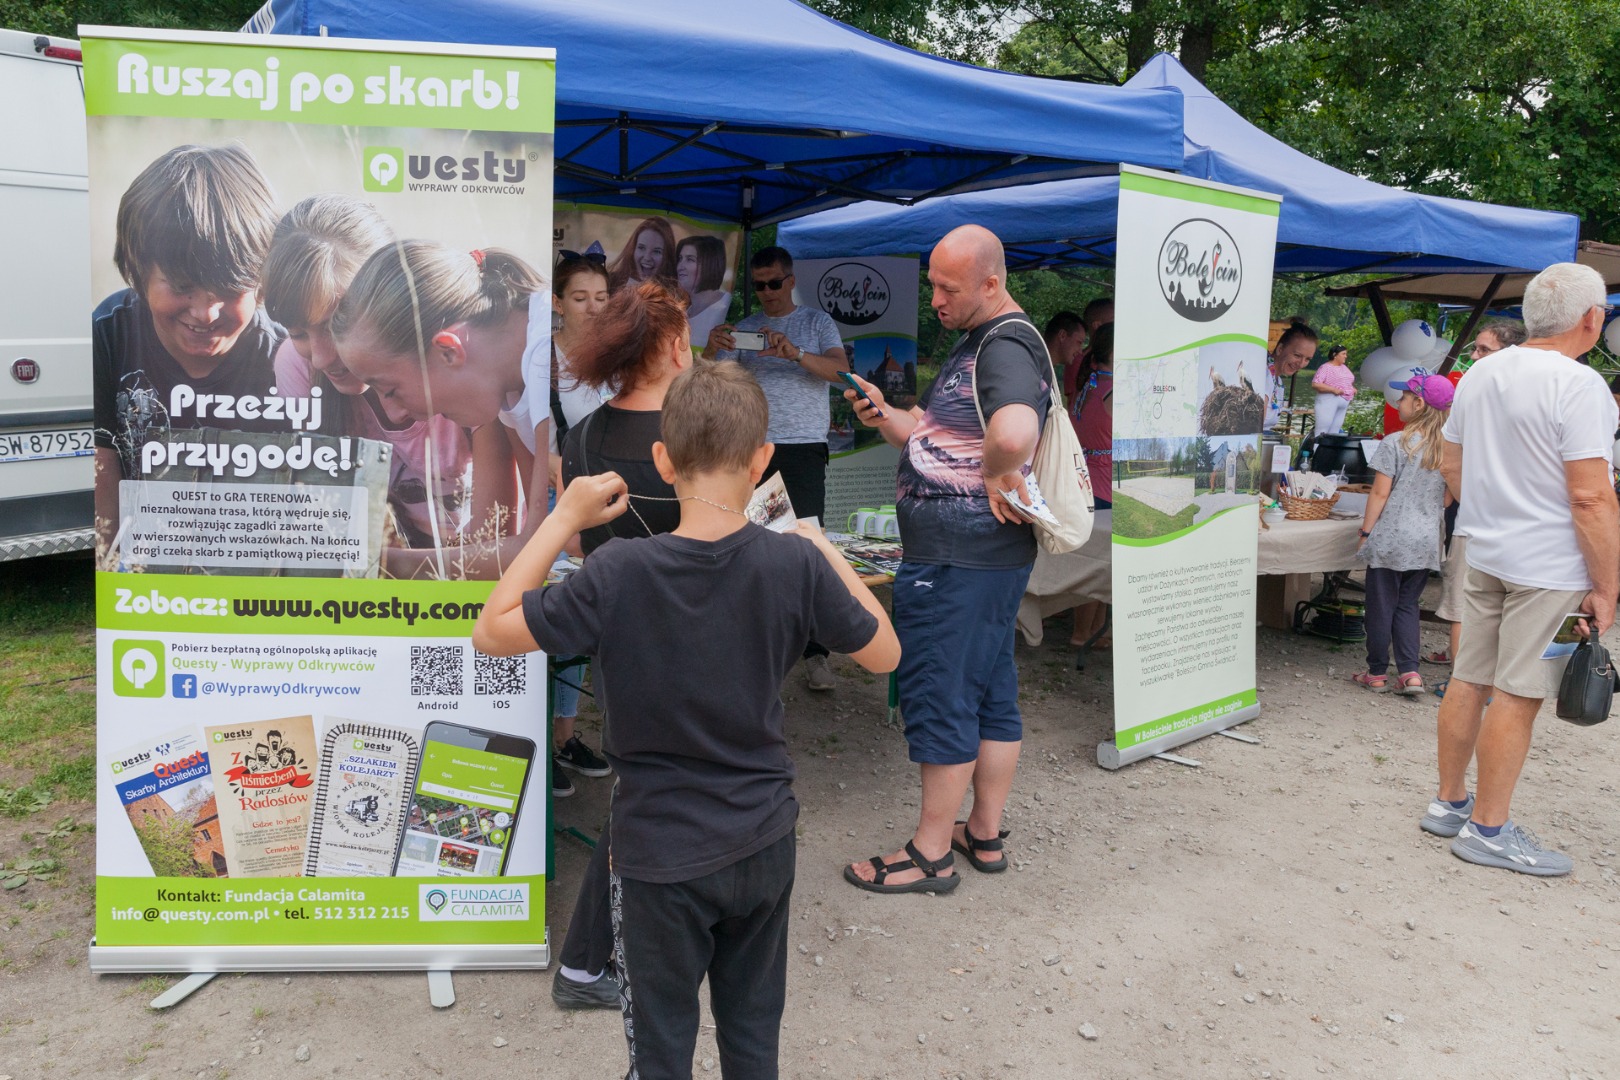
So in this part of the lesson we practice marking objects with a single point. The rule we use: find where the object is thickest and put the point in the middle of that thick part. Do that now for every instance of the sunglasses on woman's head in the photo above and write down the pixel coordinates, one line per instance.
(773, 285)
(589, 256)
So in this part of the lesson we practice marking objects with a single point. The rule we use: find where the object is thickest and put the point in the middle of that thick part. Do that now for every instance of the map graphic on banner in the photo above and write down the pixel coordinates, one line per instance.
(696, 258)
(873, 299)
(302, 247)
(1193, 279)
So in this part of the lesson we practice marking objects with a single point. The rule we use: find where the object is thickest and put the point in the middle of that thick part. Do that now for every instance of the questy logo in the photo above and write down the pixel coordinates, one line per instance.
(137, 668)
(853, 293)
(384, 168)
(1200, 270)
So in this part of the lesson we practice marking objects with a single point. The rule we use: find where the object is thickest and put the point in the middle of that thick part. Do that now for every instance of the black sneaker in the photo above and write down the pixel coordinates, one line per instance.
(601, 994)
(561, 786)
(582, 759)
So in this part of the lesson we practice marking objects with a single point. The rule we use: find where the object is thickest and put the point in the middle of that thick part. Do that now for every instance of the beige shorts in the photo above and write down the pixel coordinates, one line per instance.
(1505, 629)
(1450, 608)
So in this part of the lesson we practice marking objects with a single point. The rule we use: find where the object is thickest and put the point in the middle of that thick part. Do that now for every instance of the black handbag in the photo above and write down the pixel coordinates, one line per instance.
(1586, 693)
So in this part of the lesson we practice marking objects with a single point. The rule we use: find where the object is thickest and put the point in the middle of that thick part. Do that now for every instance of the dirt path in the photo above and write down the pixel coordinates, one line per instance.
(1275, 913)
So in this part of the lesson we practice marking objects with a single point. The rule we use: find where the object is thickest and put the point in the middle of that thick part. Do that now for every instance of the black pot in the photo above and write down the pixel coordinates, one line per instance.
(1330, 453)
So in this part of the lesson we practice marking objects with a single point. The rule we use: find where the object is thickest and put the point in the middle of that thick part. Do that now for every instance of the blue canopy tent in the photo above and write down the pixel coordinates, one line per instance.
(756, 111)
(1331, 222)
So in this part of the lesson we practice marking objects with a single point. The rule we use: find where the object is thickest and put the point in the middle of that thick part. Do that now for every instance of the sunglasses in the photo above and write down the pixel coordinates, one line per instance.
(773, 285)
(590, 256)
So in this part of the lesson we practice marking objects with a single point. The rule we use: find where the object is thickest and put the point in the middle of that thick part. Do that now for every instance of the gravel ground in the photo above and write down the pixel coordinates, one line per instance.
(1274, 913)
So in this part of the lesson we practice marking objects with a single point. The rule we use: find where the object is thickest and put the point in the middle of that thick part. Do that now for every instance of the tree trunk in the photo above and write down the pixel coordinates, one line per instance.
(1198, 44)
(1138, 37)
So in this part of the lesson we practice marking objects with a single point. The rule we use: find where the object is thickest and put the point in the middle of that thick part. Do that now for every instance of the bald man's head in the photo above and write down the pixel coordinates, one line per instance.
(968, 270)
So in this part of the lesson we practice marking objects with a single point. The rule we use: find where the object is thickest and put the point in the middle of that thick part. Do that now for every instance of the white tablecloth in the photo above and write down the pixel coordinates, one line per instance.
(1059, 582)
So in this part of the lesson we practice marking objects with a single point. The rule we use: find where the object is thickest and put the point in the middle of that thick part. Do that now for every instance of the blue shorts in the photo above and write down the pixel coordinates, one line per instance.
(958, 679)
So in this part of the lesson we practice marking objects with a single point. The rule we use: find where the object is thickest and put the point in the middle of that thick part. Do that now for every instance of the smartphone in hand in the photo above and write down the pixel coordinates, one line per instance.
(753, 340)
(849, 378)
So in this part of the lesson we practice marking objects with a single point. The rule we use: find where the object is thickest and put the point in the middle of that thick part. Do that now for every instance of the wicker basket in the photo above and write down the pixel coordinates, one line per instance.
(1307, 509)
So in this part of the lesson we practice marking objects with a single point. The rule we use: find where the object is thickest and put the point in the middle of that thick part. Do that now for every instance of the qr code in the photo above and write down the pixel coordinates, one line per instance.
(499, 675)
(436, 670)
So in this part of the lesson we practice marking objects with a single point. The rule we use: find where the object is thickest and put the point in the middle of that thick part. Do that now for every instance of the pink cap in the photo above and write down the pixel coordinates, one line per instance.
(1435, 390)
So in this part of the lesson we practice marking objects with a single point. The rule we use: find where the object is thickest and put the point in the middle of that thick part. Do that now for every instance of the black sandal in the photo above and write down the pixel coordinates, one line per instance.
(931, 881)
(974, 845)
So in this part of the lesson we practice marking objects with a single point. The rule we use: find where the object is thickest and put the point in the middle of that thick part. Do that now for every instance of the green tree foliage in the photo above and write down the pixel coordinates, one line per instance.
(168, 847)
(63, 17)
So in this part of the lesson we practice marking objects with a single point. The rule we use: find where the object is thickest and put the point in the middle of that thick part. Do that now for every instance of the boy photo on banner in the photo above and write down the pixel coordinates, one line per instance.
(1193, 278)
(321, 344)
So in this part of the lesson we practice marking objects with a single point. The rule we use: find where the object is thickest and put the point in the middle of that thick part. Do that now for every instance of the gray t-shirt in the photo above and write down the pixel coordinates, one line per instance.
(800, 410)
(1407, 534)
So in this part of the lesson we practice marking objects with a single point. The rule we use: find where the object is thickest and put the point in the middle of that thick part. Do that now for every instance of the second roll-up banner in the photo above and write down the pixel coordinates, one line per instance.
(1193, 280)
(321, 350)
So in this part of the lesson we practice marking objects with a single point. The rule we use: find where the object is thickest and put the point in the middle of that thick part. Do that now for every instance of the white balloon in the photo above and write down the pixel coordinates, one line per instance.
(1611, 336)
(1413, 340)
(1392, 395)
(1380, 366)
(1437, 355)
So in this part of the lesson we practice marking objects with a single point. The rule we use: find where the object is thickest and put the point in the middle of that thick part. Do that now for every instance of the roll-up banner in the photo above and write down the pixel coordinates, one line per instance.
(320, 359)
(873, 299)
(1193, 280)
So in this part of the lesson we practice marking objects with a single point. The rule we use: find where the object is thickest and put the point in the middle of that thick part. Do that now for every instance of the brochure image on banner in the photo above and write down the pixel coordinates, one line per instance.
(1193, 280)
(360, 799)
(262, 776)
(167, 791)
(321, 332)
(698, 259)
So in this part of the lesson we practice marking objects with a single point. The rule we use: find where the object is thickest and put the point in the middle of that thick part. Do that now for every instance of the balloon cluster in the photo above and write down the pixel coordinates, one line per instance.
(1414, 344)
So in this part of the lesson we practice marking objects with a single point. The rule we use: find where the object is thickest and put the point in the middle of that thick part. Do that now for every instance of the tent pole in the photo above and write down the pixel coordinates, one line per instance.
(1375, 296)
(747, 246)
(1473, 321)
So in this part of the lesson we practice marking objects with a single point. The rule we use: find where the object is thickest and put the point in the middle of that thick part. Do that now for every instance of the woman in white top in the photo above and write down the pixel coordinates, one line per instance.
(580, 286)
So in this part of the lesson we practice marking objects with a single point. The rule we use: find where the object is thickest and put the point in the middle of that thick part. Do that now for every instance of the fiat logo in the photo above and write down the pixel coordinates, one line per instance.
(25, 370)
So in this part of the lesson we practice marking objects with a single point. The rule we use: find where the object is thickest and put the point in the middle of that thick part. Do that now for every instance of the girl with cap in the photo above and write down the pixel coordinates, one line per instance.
(1400, 532)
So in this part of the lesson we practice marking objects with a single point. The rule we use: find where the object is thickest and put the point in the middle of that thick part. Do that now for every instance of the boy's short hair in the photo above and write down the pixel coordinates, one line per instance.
(714, 418)
(204, 215)
(772, 257)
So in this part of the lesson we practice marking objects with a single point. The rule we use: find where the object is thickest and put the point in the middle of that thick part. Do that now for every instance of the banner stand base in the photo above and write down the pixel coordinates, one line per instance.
(1177, 759)
(1111, 757)
(441, 989)
(181, 990)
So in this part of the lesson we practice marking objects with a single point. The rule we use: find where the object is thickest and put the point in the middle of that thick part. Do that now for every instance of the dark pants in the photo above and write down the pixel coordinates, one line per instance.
(1392, 617)
(804, 473)
(731, 925)
(588, 945)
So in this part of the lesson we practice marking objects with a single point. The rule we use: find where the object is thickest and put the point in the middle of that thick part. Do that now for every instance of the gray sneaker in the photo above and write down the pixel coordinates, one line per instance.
(818, 675)
(601, 994)
(1442, 820)
(1513, 848)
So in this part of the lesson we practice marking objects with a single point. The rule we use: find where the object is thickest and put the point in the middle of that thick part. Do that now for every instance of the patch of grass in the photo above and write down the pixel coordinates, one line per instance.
(1142, 522)
(47, 678)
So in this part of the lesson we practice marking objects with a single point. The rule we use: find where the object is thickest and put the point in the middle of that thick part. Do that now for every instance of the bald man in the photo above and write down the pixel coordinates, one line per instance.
(967, 560)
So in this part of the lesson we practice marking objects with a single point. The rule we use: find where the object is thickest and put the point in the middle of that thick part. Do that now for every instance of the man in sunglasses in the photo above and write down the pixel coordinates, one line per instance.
(804, 352)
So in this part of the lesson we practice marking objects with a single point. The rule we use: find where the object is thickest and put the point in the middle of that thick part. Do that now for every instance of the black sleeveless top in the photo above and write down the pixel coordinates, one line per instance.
(620, 440)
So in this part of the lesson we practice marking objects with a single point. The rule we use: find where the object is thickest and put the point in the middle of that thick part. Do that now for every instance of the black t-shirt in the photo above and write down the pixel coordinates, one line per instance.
(692, 640)
(134, 376)
(943, 508)
(620, 440)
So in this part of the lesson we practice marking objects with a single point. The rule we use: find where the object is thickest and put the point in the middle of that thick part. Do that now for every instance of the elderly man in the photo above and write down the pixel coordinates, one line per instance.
(1528, 454)
(967, 560)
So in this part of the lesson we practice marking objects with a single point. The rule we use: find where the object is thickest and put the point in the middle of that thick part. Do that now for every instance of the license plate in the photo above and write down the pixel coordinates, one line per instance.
(41, 445)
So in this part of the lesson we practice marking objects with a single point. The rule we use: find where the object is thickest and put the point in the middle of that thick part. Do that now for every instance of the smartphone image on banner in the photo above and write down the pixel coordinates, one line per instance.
(464, 803)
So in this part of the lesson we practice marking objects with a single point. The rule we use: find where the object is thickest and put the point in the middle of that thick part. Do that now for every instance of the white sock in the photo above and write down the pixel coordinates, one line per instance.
(577, 975)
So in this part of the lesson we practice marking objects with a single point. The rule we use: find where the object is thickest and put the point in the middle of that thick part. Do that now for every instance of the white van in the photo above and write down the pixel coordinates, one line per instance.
(46, 451)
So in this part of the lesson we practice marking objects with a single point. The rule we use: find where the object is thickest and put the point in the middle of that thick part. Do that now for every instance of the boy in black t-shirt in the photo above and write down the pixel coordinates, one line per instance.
(693, 633)
(193, 229)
